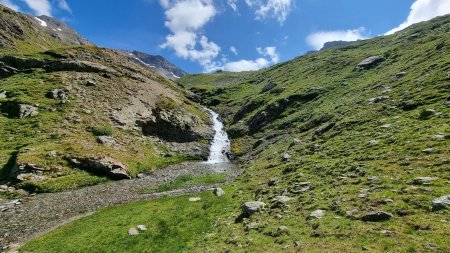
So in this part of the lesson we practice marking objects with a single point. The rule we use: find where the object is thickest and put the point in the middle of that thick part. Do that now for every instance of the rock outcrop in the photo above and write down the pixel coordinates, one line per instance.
(103, 165)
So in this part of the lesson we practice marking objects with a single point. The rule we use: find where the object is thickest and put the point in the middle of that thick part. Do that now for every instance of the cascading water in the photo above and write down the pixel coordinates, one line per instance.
(220, 144)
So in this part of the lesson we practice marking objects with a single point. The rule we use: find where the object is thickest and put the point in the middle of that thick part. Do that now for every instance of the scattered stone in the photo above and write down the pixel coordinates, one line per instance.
(378, 99)
(439, 136)
(377, 216)
(195, 199)
(317, 214)
(400, 74)
(252, 207)
(322, 129)
(106, 140)
(281, 201)
(272, 182)
(373, 178)
(441, 203)
(352, 213)
(58, 94)
(253, 226)
(282, 230)
(269, 87)
(26, 111)
(363, 196)
(133, 231)
(141, 227)
(91, 83)
(298, 244)
(428, 150)
(297, 141)
(286, 157)
(3, 94)
(424, 180)
(386, 126)
(373, 142)
(369, 62)
(218, 191)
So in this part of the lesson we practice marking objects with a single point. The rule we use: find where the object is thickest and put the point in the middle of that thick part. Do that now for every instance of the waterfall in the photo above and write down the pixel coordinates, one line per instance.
(220, 144)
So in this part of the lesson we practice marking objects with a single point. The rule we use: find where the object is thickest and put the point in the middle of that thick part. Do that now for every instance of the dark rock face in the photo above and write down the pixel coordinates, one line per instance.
(338, 43)
(377, 217)
(269, 86)
(173, 126)
(159, 64)
(369, 62)
(102, 165)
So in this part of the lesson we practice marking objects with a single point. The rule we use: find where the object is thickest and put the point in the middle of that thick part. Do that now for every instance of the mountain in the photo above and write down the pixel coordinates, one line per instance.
(159, 64)
(73, 114)
(61, 31)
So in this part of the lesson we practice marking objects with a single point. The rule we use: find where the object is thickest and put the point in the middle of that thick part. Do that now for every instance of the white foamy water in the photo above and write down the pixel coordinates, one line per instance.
(221, 144)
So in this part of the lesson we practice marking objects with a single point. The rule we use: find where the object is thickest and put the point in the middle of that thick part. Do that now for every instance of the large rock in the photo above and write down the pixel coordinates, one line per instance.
(106, 140)
(104, 165)
(27, 172)
(26, 111)
(218, 191)
(369, 62)
(424, 180)
(377, 216)
(60, 94)
(441, 203)
(317, 214)
(269, 87)
(252, 207)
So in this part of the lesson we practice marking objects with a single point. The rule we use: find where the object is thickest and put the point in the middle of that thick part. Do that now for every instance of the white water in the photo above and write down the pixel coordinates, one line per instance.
(221, 144)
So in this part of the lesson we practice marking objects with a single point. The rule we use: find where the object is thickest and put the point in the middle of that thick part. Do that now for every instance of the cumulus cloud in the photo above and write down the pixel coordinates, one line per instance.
(423, 10)
(264, 9)
(268, 56)
(318, 39)
(185, 37)
(10, 5)
(40, 7)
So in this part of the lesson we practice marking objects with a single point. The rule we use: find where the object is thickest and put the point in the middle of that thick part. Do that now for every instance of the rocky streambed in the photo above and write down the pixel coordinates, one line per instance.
(27, 218)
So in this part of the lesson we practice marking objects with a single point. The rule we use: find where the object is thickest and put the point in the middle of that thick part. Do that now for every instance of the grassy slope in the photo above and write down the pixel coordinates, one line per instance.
(67, 128)
(340, 161)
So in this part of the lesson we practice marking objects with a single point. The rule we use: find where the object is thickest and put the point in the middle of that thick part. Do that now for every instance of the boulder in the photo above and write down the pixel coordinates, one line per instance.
(253, 226)
(141, 227)
(324, 128)
(378, 99)
(133, 231)
(424, 180)
(369, 62)
(106, 140)
(282, 230)
(252, 207)
(281, 201)
(269, 87)
(3, 94)
(104, 165)
(428, 150)
(195, 199)
(60, 94)
(218, 191)
(27, 171)
(286, 157)
(441, 203)
(377, 216)
(26, 111)
(317, 214)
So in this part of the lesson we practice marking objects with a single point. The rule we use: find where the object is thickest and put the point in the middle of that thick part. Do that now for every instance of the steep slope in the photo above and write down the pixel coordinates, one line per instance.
(347, 134)
(159, 64)
(79, 115)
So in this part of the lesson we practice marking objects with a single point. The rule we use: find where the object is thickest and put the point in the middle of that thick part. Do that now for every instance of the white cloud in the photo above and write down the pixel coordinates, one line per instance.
(185, 19)
(40, 7)
(63, 5)
(233, 4)
(270, 52)
(234, 50)
(245, 65)
(318, 39)
(278, 9)
(10, 5)
(423, 10)
(269, 56)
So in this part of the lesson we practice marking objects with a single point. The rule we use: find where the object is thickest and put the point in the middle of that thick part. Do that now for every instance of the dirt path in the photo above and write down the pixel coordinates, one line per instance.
(41, 213)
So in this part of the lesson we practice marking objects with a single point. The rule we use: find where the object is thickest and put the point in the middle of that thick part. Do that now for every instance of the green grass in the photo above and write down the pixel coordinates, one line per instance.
(174, 225)
(188, 180)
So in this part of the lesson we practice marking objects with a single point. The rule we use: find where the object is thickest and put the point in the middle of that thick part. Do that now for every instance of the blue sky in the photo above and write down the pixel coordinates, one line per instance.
(234, 35)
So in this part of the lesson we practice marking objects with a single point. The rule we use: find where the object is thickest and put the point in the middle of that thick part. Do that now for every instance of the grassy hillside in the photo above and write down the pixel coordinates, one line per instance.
(73, 116)
(331, 136)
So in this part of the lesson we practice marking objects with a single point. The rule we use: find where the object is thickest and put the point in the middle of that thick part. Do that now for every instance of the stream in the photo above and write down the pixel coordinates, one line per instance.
(32, 216)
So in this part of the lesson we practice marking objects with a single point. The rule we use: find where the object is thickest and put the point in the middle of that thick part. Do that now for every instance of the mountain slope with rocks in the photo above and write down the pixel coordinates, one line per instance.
(76, 115)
